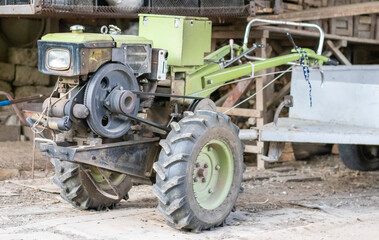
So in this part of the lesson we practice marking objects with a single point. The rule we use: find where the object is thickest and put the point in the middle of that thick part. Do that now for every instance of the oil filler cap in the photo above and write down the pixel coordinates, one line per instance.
(77, 28)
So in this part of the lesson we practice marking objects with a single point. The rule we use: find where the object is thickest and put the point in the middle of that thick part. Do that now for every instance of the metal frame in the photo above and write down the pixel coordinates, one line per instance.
(310, 25)
(25, 9)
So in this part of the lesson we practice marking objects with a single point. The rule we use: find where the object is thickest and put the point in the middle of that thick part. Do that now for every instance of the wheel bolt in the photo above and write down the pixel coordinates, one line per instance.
(210, 149)
(205, 165)
(196, 179)
(210, 190)
(218, 167)
(204, 180)
(197, 164)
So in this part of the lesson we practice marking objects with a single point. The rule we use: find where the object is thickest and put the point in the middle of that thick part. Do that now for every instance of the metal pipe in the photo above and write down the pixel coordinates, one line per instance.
(248, 135)
(310, 25)
(15, 108)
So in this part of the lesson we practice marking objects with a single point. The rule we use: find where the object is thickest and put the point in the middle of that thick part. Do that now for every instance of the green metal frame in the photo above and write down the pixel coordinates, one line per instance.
(212, 74)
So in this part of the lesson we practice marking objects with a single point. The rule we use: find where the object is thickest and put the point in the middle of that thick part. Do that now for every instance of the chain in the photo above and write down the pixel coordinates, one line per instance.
(305, 64)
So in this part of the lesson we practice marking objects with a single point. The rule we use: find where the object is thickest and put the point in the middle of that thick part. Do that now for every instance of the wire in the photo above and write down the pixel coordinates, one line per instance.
(260, 90)
(47, 109)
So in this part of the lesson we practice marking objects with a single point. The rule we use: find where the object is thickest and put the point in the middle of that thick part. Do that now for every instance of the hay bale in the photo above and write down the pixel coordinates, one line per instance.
(26, 76)
(7, 72)
(23, 56)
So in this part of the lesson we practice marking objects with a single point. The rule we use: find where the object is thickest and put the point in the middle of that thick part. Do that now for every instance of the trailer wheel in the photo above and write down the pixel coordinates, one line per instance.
(199, 171)
(89, 190)
(360, 157)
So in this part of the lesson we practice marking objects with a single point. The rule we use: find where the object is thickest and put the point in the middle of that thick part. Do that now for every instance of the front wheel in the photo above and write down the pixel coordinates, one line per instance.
(360, 157)
(87, 187)
(199, 171)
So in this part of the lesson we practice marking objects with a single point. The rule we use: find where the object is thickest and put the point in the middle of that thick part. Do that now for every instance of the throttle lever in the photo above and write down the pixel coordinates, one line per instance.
(289, 36)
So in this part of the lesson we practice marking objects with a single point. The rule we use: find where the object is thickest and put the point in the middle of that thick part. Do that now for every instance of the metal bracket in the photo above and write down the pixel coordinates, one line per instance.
(288, 102)
(274, 152)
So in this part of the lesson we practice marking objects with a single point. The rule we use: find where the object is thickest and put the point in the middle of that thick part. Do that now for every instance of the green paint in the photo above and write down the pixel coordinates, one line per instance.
(79, 37)
(221, 53)
(129, 39)
(115, 178)
(194, 82)
(185, 38)
(218, 157)
(216, 78)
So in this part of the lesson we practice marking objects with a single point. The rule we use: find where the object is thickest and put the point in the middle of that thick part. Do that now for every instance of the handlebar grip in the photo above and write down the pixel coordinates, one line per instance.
(333, 62)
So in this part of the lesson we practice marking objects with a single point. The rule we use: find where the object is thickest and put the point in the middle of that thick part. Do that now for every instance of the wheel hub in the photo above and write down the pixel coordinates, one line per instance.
(213, 174)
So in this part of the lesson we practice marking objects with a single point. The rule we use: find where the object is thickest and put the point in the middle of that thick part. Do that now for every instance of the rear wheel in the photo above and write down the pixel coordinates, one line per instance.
(360, 157)
(88, 187)
(199, 171)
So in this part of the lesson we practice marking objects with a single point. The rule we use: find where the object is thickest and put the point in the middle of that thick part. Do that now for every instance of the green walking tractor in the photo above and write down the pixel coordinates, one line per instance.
(134, 109)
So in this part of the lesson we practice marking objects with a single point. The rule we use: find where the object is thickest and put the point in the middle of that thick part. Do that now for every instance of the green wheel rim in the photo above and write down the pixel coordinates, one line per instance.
(115, 178)
(213, 174)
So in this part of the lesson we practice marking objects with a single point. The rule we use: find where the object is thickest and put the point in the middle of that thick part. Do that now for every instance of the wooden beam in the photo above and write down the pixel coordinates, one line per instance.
(338, 53)
(326, 12)
(317, 35)
(236, 34)
(241, 87)
(241, 112)
(279, 96)
(236, 93)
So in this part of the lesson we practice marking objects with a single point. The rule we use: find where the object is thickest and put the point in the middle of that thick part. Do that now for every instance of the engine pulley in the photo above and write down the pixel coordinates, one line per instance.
(107, 96)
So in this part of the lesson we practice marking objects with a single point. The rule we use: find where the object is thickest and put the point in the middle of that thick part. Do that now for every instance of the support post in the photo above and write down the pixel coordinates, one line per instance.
(261, 100)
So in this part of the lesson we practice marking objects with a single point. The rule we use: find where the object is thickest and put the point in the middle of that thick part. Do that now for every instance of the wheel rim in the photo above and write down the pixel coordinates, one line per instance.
(115, 178)
(213, 174)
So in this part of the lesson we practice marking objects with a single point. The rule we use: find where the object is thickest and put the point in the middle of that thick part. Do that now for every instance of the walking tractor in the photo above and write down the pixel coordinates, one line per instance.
(134, 109)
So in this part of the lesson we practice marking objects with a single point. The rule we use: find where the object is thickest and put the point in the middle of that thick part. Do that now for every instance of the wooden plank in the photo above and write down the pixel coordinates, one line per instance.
(252, 149)
(235, 34)
(241, 112)
(326, 12)
(236, 93)
(261, 105)
(338, 53)
(317, 35)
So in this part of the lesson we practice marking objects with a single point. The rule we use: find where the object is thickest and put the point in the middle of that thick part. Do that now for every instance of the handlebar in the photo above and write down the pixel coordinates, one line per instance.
(311, 25)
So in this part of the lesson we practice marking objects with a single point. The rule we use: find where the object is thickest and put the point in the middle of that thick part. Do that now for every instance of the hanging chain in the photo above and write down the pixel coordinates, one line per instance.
(305, 64)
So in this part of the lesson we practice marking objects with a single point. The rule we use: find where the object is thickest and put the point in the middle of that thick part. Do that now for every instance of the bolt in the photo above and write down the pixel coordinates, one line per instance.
(195, 195)
(204, 180)
(107, 102)
(205, 165)
(210, 149)
(196, 179)
(210, 81)
(197, 164)
(121, 88)
(218, 167)
(210, 190)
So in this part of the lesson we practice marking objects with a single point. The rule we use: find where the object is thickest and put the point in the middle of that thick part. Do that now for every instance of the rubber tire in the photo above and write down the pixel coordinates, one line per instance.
(353, 158)
(78, 189)
(174, 187)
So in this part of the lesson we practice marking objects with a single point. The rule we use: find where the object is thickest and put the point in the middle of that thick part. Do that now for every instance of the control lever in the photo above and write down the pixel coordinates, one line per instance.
(289, 36)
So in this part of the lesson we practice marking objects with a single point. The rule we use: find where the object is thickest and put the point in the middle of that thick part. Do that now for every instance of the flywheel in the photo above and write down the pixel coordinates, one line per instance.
(109, 95)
